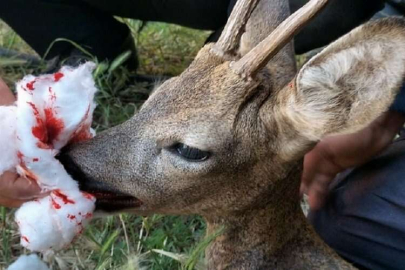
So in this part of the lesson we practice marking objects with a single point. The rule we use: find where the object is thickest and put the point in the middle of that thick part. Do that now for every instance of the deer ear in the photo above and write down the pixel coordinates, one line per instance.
(350, 83)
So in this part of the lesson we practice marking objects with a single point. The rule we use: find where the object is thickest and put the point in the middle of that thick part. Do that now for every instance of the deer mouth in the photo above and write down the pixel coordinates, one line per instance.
(108, 199)
(114, 202)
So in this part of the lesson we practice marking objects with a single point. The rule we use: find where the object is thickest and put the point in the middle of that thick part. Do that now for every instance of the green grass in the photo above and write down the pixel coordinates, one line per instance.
(125, 241)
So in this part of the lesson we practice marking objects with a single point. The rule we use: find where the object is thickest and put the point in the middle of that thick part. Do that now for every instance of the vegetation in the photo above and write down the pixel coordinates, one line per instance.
(124, 241)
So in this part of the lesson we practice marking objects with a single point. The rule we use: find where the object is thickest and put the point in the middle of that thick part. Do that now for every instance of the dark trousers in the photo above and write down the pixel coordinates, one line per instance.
(364, 219)
(90, 23)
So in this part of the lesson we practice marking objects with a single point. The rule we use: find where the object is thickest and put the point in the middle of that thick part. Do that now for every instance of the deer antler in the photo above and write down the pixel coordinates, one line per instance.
(258, 57)
(229, 40)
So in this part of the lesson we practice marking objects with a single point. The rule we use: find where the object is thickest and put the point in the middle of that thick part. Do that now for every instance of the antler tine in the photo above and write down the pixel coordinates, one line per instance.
(259, 56)
(229, 40)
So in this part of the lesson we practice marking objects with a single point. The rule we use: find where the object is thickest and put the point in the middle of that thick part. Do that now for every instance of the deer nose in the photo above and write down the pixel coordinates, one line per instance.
(86, 182)
(72, 168)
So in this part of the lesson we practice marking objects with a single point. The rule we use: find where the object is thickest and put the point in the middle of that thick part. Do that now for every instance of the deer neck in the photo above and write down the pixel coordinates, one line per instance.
(276, 236)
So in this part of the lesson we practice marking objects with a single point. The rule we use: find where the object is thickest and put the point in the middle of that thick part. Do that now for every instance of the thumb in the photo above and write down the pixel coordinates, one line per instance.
(14, 187)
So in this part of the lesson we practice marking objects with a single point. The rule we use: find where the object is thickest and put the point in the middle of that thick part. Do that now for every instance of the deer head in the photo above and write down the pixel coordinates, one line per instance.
(229, 134)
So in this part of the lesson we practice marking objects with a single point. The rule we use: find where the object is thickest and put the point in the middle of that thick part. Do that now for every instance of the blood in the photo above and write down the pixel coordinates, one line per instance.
(64, 198)
(82, 133)
(88, 215)
(55, 204)
(39, 130)
(35, 159)
(71, 217)
(25, 238)
(36, 112)
(43, 145)
(54, 125)
(88, 196)
(52, 94)
(57, 76)
(20, 156)
(30, 85)
(81, 136)
(40, 133)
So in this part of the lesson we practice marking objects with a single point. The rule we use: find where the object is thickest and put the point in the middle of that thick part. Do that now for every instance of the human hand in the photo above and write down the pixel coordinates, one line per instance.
(6, 96)
(334, 154)
(14, 190)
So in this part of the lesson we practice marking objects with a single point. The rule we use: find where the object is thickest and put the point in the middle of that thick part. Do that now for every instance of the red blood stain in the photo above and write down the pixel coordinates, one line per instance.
(40, 133)
(82, 133)
(52, 94)
(35, 159)
(30, 85)
(81, 136)
(20, 156)
(71, 217)
(25, 238)
(43, 145)
(36, 112)
(57, 76)
(88, 215)
(55, 204)
(54, 125)
(39, 130)
(64, 198)
(88, 196)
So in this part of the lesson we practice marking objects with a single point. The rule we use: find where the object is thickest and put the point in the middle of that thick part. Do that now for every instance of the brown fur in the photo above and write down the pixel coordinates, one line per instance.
(258, 130)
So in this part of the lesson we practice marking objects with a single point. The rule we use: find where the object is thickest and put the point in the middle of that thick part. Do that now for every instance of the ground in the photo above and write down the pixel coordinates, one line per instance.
(125, 241)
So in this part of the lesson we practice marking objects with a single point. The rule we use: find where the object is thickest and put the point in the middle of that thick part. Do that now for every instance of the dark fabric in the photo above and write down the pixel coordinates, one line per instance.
(90, 22)
(399, 103)
(199, 14)
(39, 22)
(364, 219)
(337, 19)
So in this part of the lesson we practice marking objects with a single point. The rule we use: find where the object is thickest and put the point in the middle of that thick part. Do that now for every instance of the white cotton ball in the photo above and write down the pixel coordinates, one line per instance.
(53, 110)
(54, 221)
(8, 143)
(28, 262)
(38, 230)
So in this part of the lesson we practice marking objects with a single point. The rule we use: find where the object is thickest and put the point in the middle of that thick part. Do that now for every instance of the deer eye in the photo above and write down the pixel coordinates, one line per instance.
(190, 153)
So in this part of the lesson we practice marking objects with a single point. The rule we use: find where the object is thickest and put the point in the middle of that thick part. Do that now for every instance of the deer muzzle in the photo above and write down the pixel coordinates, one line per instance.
(109, 198)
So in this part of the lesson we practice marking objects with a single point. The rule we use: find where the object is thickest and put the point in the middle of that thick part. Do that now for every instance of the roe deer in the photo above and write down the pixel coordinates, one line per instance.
(226, 138)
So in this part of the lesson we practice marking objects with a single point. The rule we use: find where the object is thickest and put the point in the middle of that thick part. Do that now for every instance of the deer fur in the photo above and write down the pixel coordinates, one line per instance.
(257, 129)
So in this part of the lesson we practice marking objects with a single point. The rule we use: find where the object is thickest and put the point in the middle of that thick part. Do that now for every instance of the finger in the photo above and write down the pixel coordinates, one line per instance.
(303, 189)
(312, 162)
(10, 202)
(14, 187)
(318, 190)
